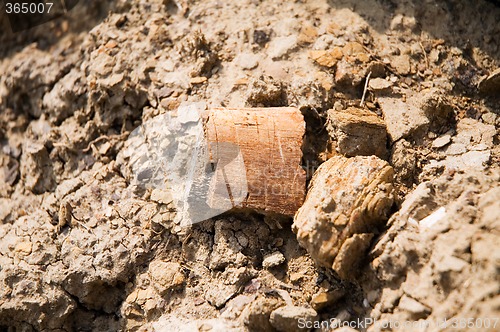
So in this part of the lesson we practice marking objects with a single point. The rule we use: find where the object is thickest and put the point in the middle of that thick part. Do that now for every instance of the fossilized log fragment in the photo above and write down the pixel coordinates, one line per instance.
(270, 141)
(347, 199)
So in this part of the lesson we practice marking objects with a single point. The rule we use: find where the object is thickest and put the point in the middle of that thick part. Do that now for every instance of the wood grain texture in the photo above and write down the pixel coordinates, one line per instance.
(270, 141)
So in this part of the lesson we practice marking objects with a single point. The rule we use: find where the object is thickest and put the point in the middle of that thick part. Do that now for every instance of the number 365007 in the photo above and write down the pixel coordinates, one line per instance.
(28, 8)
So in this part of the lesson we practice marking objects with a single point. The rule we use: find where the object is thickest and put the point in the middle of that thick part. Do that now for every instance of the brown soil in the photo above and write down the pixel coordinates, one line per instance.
(81, 249)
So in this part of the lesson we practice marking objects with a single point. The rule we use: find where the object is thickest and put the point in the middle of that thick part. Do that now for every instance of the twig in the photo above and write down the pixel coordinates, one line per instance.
(366, 87)
(425, 55)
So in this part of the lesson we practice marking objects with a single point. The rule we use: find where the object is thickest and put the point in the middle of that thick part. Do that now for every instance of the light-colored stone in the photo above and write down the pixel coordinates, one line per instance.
(24, 248)
(441, 141)
(308, 34)
(452, 263)
(379, 84)
(348, 197)
(456, 149)
(281, 47)
(466, 161)
(402, 119)
(198, 80)
(286, 319)
(352, 48)
(36, 168)
(161, 196)
(272, 260)
(401, 64)
(350, 253)
(247, 60)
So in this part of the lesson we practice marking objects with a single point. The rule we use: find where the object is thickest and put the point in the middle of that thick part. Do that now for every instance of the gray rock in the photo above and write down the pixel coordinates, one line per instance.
(466, 161)
(287, 318)
(36, 168)
(441, 141)
(247, 60)
(456, 149)
(402, 119)
(379, 84)
(281, 47)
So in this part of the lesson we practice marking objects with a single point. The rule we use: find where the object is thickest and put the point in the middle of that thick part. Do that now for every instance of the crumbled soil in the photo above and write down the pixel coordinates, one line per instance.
(82, 250)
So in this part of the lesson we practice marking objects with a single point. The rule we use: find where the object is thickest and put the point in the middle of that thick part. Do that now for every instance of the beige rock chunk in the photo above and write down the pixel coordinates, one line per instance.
(357, 132)
(347, 199)
(288, 318)
(379, 85)
(308, 34)
(403, 119)
(401, 64)
(24, 248)
(166, 276)
(349, 254)
(272, 260)
(416, 309)
(326, 58)
(256, 315)
(36, 168)
(323, 299)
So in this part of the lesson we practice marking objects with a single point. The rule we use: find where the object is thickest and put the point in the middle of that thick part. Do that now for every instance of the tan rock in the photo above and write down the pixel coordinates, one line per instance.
(490, 84)
(325, 79)
(349, 254)
(24, 248)
(347, 199)
(166, 276)
(272, 260)
(335, 29)
(401, 64)
(256, 315)
(348, 74)
(198, 80)
(379, 84)
(308, 34)
(288, 318)
(326, 58)
(323, 299)
(352, 48)
(345, 128)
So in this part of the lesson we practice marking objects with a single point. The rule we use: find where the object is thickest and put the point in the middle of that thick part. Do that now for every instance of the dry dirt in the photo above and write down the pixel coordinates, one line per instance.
(81, 249)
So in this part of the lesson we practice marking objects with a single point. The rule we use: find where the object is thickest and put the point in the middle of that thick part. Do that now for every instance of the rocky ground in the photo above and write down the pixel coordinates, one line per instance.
(401, 220)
